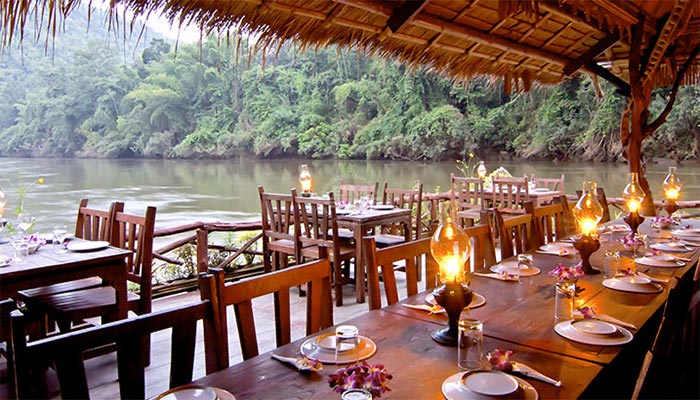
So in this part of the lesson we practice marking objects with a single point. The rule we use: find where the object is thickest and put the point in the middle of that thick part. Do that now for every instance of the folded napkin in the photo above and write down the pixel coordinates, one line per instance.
(657, 280)
(500, 277)
(602, 317)
(531, 373)
(431, 309)
(560, 253)
(302, 363)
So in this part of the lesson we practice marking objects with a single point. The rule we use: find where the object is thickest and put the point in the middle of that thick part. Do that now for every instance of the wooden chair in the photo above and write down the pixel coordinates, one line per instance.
(90, 224)
(483, 250)
(509, 194)
(315, 226)
(603, 200)
(65, 352)
(547, 222)
(278, 240)
(515, 233)
(384, 259)
(469, 195)
(319, 309)
(132, 232)
(555, 184)
(569, 221)
(349, 193)
(410, 199)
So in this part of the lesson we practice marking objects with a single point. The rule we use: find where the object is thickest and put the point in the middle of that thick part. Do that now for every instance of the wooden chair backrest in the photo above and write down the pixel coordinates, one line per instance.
(410, 199)
(547, 222)
(277, 210)
(509, 194)
(515, 233)
(384, 259)
(467, 192)
(555, 184)
(93, 224)
(569, 221)
(483, 250)
(349, 192)
(319, 310)
(603, 200)
(135, 233)
(66, 352)
(315, 223)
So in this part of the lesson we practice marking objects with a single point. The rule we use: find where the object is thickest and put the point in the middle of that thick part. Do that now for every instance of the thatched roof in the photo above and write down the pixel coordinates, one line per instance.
(520, 40)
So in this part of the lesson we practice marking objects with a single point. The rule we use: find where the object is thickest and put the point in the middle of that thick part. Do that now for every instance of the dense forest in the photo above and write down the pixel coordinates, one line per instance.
(102, 97)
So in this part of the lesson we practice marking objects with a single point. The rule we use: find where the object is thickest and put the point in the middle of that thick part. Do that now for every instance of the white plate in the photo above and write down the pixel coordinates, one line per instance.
(619, 228)
(509, 264)
(312, 349)
(86, 245)
(342, 211)
(328, 342)
(594, 327)
(189, 393)
(454, 389)
(671, 246)
(659, 261)
(540, 190)
(692, 234)
(627, 284)
(383, 207)
(477, 301)
(566, 330)
(561, 249)
(490, 383)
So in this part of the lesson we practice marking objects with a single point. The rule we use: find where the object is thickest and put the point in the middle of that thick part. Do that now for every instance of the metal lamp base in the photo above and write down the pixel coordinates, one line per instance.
(453, 297)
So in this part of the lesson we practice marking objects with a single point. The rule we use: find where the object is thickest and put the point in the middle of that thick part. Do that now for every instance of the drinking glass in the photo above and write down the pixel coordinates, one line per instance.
(20, 244)
(59, 235)
(25, 222)
(611, 266)
(470, 344)
(347, 334)
(564, 298)
(525, 263)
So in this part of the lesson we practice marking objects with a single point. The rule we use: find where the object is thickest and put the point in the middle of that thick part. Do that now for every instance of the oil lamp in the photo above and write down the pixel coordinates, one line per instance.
(672, 191)
(305, 181)
(633, 194)
(481, 170)
(450, 248)
(588, 212)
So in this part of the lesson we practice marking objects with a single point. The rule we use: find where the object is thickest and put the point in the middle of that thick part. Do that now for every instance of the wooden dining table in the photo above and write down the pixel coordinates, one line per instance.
(362, 223)
(516, 316)
(47, 267)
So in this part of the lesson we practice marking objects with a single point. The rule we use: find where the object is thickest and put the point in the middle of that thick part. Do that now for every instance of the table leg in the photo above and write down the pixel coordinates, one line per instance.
(119, 284)
(359, 265)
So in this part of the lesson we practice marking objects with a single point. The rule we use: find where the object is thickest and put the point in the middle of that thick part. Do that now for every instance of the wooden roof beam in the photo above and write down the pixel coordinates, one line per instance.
(405, 13)
(374, 7)
(590, 55)
(557, 34)
(622, 87)
(463, 32)
(535, 26)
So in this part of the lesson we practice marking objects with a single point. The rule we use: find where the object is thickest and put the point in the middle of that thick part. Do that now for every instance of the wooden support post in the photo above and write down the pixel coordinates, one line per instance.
(202, 250)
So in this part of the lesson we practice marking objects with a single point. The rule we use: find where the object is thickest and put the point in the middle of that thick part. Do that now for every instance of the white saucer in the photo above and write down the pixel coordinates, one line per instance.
(189, 392)
(312, 349)
(633, 284)
(557, 248)
(568, 331)
(86, 245)
(453, 388)
(594, 327)
(692, 234)
(383, 207)
(509, 264)
(477, 301)
(671, 246)
(661, 260)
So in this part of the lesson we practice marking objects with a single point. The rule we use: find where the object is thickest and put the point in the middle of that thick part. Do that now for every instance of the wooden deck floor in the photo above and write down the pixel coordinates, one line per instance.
(102, 375)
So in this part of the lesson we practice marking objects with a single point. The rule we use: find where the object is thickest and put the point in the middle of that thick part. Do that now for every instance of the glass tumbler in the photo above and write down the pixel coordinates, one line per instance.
(611, 266)
(470, 344)
(347, 335)
(20, 244)
(525, 264)
(564, 300)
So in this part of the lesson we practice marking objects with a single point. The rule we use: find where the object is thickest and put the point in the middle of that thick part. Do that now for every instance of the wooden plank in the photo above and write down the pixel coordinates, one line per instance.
(591, 54)
(404, 14)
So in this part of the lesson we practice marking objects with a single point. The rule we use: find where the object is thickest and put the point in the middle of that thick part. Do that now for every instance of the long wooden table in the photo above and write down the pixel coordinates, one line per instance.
(46, 267)
(517, 317)
(364, 222)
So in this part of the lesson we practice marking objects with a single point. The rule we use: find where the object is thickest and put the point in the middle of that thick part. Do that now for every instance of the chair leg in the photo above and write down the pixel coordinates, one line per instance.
(338, 284)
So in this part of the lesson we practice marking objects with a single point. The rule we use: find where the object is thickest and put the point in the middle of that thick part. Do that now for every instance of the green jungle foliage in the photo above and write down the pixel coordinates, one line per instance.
(222, 100)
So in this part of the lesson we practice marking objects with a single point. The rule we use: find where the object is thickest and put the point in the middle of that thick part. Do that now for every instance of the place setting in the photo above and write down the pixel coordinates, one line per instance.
(560, 249)
(659, 260)
(509, 265)
(80, 245)
(671, 247)
(343, 346)
(593, 332)
(633, 283)
(434, 308)
(196, 392)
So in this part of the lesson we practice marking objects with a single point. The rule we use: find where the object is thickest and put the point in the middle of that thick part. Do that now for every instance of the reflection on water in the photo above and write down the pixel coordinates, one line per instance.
(186, 190)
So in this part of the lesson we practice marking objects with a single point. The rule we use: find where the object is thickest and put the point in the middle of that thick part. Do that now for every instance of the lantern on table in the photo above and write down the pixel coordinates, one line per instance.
(305, 181)
(672, 191)
(588, 212)
(633, 195)
(450, 247)
(481, 170)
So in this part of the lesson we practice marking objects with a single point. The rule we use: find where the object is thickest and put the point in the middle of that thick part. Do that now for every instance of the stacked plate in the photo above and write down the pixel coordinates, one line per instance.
(633, 284)
(660, 260)
(322, 348)
(688, 236)
(559, 249)
(509, 265)
(382, 207)
(86, 245)
(593, 332)
(487, 385)
(678, 247)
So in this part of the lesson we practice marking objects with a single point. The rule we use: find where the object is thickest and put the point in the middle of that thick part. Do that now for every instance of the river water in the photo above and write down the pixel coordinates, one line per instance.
(191, 190)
